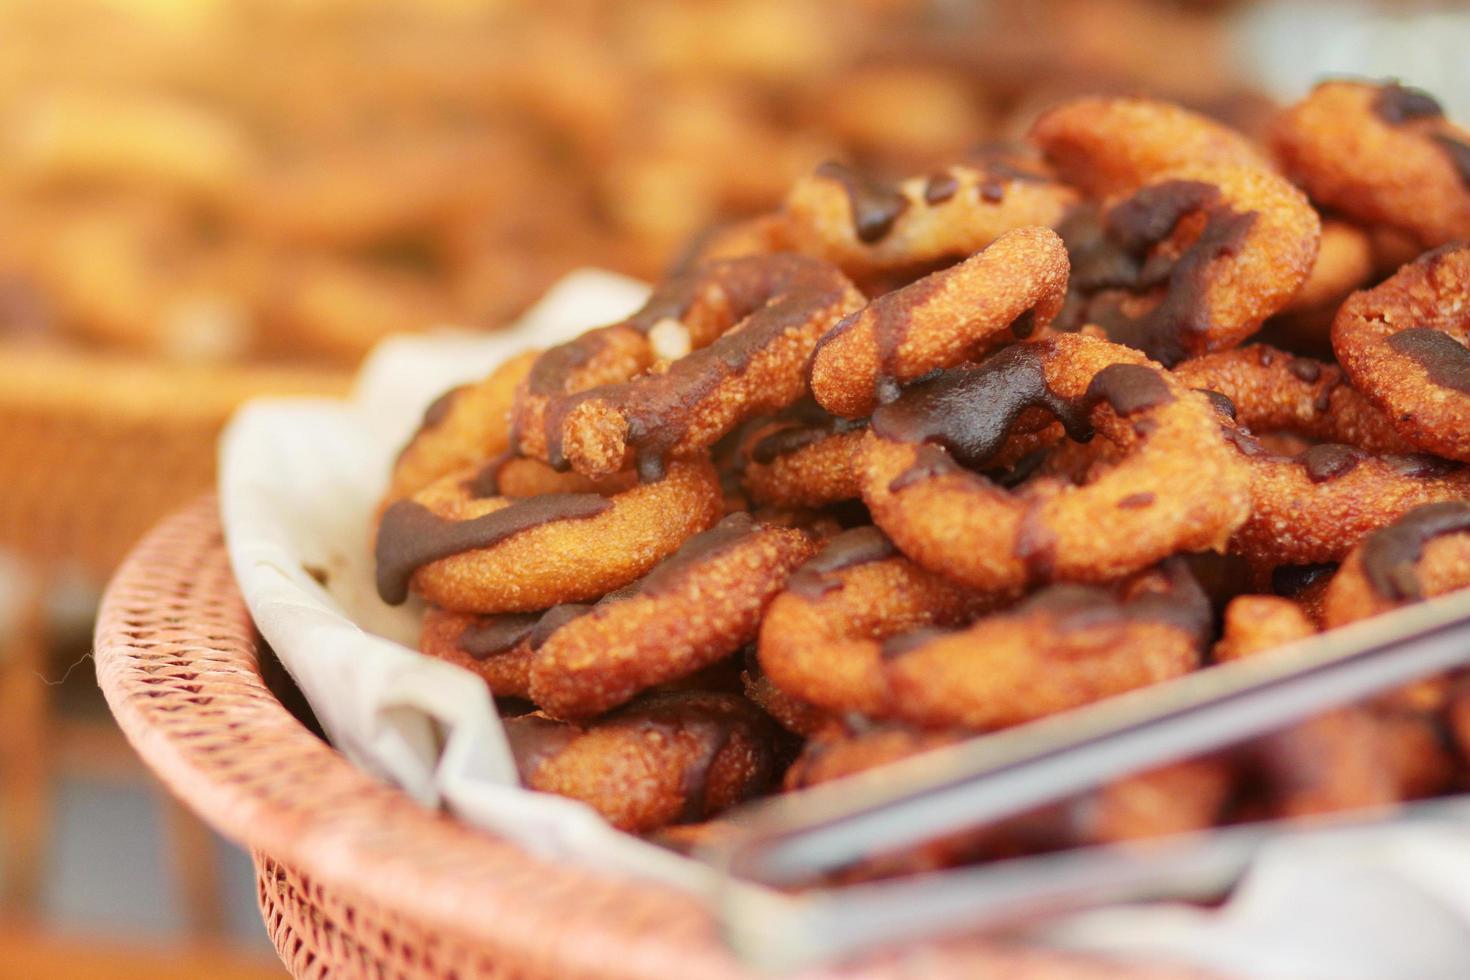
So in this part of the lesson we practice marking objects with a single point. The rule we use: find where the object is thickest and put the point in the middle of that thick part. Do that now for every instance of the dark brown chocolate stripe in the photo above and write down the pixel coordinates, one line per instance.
(799, 435)
(1183, 604)
(896, 646)
(940, 187)
(411, 536)
(1458, 153)
(1144, 220)
(554, 619)
(1391, 554)
(970, 410)
(766, 297)
(1292, 580)
(486, 481)
(1128, 388)
(491, 635)
(535, 739)
(1396, 104)
(875, 207)
(1418, 465)
(735, 528)
(1329, 461)
(440, 407)
(1446, 361)
(858, 546)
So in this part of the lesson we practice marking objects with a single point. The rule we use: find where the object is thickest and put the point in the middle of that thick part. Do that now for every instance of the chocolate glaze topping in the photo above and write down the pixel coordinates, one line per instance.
(1391, 553)
(1293, 580)
(1182, 604)
(1128, 388)
(970, 410)
(1330, 460)
(535, 740)
(411, 536)
(766, 297)
(1458, 153)
(1305, 370)
(875, 207)
(1445, 361)
(491, 635)
(1141, 222)
(940, 187)
(1396, 104)
(801, 425)
(486, 481)
(1024, 325)
(859, 546)
(1221, 403)
(439, 408)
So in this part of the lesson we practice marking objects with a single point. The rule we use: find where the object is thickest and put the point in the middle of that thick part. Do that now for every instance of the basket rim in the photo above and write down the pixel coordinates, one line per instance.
(177, 659)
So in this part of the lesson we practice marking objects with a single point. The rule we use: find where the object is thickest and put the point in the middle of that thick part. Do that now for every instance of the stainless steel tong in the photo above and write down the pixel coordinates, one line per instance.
(800, 837)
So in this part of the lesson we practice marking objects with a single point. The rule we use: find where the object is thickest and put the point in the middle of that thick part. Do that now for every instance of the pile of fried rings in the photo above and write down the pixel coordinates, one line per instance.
(898, 464)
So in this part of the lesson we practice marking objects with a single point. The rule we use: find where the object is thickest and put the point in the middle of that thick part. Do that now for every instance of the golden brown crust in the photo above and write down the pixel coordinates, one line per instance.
(1354, 152)
(705, 609)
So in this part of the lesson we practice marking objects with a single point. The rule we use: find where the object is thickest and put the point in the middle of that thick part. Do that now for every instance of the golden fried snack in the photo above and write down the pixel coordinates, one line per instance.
(669, 758)
(748, 326)
(498, 649)
(1192, 261)
(1403, 344)
(1382, 154)
(495, 554)
(464, 426)
(1065, 646)
(1270, 390)
(1176, 485)
(1008, 290)
(1109, 144)
(1256, 623)
(801, 457)
(1179, 798)
(1344, 263)
(821, 640)
(790, 712)
(697, 606)
(1424, 553)
(867, 227)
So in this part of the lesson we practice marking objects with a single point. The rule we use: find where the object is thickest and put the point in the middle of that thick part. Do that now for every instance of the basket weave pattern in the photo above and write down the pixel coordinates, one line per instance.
(354, 878)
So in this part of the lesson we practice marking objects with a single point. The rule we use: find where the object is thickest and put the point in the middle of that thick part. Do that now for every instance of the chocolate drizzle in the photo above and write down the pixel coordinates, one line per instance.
(1391, 553)
(1445, 361)
(491, 635)
(970, 410)
(859, 546)
(1219, 402)
(1330, 460)
(1458, 154)
(766, 297)
(486, 481)
(1128, 388)
(1182, 604)
(1305, 370)
(440, 408)
(875, 207)
(803, 425)
(411, 536)
(535, 739)
(1397, 104)
(940, 187)
(1292, 580)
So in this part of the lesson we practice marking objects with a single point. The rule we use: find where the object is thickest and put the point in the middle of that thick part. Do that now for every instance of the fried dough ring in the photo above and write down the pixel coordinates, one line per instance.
(1065, 646)
(1382, 155)
(867, 228)
(1270, 390)
(1257, 623)
(464, 426)
(497, 649)
(801, 458)
(1192, 261)
(1008, 290)
(751, 323)
(1175, 488)
(1109, 144)
(1424, 553)
(699, 605)
(821, 639)
(446, 544)
(1403, 344)
(668, 758)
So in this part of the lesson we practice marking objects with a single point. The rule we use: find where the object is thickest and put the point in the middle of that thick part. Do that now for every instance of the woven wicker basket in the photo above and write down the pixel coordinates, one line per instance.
(97, 449)
(357, 880)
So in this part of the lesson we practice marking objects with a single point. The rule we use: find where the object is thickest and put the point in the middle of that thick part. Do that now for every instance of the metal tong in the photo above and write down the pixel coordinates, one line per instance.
(800, 837)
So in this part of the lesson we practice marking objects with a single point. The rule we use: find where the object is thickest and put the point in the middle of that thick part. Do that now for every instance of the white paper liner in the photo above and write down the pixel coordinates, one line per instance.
(299, 481)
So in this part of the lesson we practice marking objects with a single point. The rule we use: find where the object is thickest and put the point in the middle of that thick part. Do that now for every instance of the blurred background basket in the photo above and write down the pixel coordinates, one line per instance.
(354, 878)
